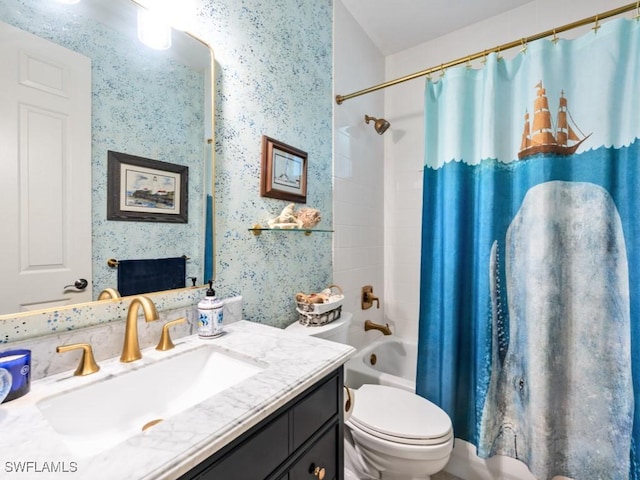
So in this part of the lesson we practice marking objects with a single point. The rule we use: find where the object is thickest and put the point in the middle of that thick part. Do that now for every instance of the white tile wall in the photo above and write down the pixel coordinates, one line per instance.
(358, 185)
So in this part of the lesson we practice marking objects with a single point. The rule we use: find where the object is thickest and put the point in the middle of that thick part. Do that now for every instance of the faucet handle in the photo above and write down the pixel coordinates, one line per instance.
(165, 342)
(368, 298)
(373, 298)
(87, 363)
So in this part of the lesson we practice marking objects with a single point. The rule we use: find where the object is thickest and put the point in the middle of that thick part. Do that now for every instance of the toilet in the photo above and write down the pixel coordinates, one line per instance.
(391, 434)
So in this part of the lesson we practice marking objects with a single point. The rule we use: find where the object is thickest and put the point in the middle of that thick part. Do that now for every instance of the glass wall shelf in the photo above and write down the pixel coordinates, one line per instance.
(258, 229)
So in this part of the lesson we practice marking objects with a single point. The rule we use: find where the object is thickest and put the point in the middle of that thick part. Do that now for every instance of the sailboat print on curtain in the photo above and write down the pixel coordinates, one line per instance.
(531, 256)
(541, 138)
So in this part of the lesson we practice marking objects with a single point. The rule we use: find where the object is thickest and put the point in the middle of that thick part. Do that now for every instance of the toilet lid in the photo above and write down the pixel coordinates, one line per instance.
(400, 416)
(320, 330)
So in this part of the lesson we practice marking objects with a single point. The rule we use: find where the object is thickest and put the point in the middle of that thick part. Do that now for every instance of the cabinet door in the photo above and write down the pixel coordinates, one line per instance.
(317, 408)
(321, 460)
(254, 459)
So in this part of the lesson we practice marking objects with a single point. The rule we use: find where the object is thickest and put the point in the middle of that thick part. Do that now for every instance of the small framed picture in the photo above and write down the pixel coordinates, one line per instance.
(144, 190)
(284, 171)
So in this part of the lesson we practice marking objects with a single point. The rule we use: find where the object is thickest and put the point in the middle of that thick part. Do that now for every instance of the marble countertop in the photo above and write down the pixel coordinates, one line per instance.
(31, 448)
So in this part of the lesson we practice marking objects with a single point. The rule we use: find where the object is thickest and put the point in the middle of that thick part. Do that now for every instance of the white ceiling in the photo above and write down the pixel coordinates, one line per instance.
(395, 25)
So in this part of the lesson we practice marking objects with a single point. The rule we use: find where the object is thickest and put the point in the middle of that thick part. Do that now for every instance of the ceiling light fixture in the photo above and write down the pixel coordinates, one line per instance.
(152, 30)
(177, 13)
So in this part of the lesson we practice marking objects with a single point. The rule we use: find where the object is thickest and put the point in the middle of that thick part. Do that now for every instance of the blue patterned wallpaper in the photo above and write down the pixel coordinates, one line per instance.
(273, 77)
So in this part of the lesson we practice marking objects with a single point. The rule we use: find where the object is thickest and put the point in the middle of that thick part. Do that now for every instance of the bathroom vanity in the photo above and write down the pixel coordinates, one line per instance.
(301, 440)
(279, 418)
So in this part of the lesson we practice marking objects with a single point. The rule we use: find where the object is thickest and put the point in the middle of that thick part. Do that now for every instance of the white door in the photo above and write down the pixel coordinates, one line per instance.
(45, 173)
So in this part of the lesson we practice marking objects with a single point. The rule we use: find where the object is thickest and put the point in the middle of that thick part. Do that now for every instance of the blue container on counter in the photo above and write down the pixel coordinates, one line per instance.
(18, 364)
(5, 384)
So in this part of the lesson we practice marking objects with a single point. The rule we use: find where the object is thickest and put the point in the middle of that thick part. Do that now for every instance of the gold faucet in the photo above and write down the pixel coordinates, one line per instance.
(369, 325)
(87, 363)
(131, 347)
(108, 293)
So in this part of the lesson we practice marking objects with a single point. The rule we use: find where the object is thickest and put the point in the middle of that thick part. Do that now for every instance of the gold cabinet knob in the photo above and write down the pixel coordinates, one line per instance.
(87, 363)
(165, 342)
(319, 472)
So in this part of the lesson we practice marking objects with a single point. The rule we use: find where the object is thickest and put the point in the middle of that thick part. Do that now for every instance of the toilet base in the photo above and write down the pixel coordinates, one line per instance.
(371, 458)
(387, 476)
(349, 475)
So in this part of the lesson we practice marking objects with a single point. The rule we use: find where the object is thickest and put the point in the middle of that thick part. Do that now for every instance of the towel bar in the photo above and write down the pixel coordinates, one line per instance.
(113, 263)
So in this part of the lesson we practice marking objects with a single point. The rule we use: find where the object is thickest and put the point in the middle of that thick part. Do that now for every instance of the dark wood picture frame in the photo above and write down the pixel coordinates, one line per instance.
(143, 190)
(284, 171)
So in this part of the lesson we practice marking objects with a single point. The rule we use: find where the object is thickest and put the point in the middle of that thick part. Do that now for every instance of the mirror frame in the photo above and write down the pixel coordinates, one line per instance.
(211, 143)
(183, 296)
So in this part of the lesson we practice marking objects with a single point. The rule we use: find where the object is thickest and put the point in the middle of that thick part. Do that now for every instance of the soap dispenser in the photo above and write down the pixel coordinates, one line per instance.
(210, 314)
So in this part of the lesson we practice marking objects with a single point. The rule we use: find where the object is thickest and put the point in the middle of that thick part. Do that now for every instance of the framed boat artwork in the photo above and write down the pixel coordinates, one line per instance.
(145, 190)
(284, 171)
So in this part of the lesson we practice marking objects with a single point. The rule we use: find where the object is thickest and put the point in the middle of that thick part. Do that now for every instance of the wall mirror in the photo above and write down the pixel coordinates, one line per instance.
(156, 104)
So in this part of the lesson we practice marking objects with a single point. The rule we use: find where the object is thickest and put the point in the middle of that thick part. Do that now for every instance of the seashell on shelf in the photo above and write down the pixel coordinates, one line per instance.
(309, 217)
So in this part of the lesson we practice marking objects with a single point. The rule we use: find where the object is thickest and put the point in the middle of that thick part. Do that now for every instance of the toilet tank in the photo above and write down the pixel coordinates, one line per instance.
(336, 331)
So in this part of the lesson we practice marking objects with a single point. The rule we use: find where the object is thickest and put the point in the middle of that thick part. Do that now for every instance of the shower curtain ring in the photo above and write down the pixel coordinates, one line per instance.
(468, 64)
(637, 15)
(555, 37)
(484, 57)
(442, 70)
(597, 25)
(524, 45)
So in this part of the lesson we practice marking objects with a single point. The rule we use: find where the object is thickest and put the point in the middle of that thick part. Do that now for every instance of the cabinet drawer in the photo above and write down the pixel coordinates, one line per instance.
(315, 410)
(322, 455)
(254, 459)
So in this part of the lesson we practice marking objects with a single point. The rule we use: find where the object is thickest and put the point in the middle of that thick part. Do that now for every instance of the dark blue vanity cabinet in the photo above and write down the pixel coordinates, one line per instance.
(301, 440)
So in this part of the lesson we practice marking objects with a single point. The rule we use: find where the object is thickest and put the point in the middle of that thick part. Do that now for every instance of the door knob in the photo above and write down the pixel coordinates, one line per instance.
(79, 284)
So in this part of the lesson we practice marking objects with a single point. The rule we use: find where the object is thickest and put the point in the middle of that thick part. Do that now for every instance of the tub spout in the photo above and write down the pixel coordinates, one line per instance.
(369, 325)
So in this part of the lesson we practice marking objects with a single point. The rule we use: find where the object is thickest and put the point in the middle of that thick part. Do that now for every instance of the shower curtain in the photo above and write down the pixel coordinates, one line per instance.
(530, 272)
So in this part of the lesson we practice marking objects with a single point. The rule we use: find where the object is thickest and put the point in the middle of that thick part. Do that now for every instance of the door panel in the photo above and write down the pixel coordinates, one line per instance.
(45, 173)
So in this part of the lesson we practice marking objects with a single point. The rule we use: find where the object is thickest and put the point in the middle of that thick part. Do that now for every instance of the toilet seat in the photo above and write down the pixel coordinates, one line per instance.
(400, 416)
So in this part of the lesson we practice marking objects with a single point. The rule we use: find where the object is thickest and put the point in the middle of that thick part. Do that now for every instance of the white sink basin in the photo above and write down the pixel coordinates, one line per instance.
(98, 416)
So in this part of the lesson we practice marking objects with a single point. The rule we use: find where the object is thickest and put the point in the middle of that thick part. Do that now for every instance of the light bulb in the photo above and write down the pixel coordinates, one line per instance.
(152, 31)
(177, 13)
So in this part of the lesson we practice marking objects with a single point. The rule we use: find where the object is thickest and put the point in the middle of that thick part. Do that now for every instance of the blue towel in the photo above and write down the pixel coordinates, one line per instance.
(143, 276)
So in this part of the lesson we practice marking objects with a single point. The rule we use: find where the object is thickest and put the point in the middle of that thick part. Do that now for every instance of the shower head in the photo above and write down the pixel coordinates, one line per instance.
(380, 124)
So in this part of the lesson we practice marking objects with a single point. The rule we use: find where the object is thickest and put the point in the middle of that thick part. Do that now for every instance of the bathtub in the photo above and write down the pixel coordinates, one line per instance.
(394, 364)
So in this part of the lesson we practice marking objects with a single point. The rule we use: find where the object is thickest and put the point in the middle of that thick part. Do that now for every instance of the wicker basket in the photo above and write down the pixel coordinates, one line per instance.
(318, 314)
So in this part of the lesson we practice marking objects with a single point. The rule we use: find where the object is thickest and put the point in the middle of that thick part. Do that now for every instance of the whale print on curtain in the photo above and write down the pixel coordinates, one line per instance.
(530, 268)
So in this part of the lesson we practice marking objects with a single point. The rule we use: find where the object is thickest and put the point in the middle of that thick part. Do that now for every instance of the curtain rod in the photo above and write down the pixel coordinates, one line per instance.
(507, 46)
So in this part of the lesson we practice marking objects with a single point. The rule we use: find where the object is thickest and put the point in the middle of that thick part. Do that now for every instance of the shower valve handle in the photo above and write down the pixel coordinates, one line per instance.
(368, 298)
